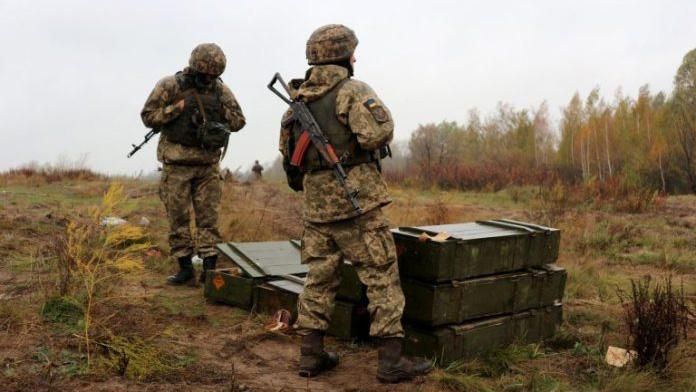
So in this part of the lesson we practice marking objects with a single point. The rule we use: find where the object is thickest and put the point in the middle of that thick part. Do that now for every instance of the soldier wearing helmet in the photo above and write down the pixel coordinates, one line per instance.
(359, 126)
(195, 112)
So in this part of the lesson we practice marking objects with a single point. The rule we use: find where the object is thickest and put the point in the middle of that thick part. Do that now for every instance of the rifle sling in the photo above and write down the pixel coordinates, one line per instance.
(205, 122)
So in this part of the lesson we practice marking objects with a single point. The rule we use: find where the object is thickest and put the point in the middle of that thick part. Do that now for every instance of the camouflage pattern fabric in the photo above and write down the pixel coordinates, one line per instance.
(208, 59)
(333, 230)
(182, 187)
(331, 43)
(358, 107)
(160, 109)
(367, 242)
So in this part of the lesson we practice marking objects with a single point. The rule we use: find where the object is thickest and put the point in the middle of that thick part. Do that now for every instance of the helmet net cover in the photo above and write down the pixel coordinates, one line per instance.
(208, 59)
(331, 43)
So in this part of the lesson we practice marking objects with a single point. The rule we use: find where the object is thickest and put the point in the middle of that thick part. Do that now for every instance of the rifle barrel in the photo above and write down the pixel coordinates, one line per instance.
(139, 146)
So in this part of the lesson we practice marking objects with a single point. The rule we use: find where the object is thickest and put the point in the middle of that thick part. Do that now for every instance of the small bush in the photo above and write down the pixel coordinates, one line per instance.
(92, 259)
(137, 359)
(657, 319)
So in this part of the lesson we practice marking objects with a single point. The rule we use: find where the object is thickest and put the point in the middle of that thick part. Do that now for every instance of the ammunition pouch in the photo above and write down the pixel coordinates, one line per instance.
(201, 124)
(294, 175)
(213, 135)
(182, 130)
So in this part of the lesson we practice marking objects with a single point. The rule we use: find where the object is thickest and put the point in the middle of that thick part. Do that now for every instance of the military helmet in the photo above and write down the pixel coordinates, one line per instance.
(331, 43)
(208, 59)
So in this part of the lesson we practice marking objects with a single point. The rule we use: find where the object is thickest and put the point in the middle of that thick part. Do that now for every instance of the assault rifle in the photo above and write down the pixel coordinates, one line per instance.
(311, 133)
(149, 136)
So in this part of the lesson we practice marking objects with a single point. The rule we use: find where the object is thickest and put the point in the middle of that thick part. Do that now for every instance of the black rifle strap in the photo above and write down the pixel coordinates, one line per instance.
(205, 121)
(200, 106)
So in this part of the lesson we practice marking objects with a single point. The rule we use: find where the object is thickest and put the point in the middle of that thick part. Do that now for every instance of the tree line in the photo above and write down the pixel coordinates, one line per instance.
(648, 142)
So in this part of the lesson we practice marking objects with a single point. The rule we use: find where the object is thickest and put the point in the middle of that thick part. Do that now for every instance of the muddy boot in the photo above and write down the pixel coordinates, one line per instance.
(393, 367)
(209, 263)
(313, 358)
(185, 274)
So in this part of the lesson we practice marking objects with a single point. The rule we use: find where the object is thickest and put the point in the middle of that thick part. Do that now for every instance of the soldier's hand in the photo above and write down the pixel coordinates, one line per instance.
(180, 105)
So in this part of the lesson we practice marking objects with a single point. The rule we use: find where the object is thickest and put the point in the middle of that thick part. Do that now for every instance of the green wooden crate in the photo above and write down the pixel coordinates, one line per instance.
(474, 249)
(229, 287)
(466, 341)
(264, 259)
(256, 262)
(348, 320)
(455, 302)
(271, 298)
(277, 258)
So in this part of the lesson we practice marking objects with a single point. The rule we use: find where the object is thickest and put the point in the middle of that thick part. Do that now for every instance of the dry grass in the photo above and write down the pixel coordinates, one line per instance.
(149, 336)
(34, 175)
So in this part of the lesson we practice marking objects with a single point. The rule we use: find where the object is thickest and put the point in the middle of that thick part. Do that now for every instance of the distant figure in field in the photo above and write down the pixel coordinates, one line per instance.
(257, 169)
(227, 174)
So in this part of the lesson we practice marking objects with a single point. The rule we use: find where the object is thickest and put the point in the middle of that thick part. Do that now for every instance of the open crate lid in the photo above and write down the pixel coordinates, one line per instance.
(262, 259)
(474, 230)
(292, 284)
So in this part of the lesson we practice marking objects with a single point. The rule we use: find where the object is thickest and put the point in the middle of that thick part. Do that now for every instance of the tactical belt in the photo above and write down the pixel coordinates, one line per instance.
(366, 157)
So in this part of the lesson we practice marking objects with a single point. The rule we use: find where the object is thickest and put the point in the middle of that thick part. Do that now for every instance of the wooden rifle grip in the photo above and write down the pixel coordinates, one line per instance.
(332, 154)
(300, 149)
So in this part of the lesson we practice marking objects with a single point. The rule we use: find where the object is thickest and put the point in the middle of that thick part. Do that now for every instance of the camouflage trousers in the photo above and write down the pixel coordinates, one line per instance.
(183, 187)
(368, 244)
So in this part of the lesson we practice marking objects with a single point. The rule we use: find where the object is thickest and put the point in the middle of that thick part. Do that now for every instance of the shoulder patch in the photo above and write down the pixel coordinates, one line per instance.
(376, 110)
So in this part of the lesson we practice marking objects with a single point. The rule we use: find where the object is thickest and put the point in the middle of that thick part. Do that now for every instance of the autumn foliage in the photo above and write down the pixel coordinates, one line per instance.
(625, 144)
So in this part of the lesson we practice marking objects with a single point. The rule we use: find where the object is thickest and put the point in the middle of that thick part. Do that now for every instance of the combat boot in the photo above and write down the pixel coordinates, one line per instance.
(185, 274)
(313, 358)
(393, 367)
(209, 263)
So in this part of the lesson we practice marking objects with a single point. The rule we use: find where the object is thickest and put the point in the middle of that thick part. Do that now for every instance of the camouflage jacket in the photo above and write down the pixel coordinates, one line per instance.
(159, 109)
(358, 107)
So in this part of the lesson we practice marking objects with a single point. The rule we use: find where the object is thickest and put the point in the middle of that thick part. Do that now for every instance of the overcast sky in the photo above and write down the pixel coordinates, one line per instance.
(75, 74)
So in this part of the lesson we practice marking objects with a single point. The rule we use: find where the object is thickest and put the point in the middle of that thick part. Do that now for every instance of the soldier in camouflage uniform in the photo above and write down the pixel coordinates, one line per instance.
(179, 106)
(257, 169)
(358, 125)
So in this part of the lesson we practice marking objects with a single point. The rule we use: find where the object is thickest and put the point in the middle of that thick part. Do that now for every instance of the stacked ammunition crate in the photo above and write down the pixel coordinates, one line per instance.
(476, 286)
(469, 287)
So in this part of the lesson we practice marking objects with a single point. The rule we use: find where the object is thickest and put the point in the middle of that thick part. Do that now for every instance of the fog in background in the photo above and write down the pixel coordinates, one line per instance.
(75, 74)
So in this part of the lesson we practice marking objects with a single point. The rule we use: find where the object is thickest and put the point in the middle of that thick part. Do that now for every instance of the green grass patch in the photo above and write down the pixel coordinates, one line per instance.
(627, 380)
(592, 282)
(460, 382)
(64, 311)
(505, 360)
(545, 383)
(138, 359)
(66, 363)
(188, 306)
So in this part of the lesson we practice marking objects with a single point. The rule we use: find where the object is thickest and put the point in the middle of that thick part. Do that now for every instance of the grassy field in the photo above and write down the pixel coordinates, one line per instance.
(121, 328)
